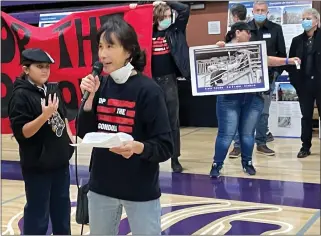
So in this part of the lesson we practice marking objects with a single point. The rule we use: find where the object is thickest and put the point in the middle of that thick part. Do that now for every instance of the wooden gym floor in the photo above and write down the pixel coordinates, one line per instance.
(283, 198)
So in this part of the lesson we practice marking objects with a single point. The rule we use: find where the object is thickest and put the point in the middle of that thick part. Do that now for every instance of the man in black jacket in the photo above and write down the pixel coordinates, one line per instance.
(170, 59)
(264, 29)
(307, 80)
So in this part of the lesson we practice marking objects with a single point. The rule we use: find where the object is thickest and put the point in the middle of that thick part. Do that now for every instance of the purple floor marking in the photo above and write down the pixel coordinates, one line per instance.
(286, 193)
(124, 227)
(230, 188)
(190, 225)
(250, 228)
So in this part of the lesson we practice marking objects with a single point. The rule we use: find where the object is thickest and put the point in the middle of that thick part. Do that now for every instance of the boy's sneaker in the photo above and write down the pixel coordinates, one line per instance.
(215, 170)
(235, 153)
(248, 167)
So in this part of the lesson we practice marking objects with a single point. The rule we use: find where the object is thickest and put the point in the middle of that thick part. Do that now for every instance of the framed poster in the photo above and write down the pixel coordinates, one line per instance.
(235, 68)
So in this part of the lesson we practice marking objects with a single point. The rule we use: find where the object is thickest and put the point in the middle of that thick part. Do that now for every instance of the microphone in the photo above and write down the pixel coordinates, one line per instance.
(97, 69)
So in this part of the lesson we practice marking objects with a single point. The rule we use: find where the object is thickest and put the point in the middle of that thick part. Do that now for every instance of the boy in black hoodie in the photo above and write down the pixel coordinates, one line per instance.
(38, 121)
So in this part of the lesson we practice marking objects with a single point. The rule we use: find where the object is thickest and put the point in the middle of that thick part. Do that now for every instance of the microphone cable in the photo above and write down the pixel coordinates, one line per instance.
(97, 69)
(82, 104)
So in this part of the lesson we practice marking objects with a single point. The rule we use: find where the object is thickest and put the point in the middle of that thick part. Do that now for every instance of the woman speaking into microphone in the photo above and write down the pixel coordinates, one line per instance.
(125, 101)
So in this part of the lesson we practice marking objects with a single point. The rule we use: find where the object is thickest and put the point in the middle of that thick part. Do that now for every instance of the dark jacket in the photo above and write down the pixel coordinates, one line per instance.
(44, 150)
(275, 44)
(297, 49)
(176, 36)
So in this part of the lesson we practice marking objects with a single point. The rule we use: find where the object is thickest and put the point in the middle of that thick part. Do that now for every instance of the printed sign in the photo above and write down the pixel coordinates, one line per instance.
(235, 68)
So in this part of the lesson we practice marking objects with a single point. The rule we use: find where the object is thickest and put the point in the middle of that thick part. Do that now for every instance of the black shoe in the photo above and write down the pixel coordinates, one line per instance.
(215, 170)
(235, 153)
(263, 149)
(176, 166)
(303, 153)
(269, 137)
(248, 167)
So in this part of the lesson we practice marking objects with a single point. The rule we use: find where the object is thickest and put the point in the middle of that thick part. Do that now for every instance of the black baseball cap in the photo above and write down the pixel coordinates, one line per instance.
(35, 55)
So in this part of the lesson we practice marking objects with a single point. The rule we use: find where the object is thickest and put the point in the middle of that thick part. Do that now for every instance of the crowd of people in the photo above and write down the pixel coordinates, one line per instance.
(128, 176)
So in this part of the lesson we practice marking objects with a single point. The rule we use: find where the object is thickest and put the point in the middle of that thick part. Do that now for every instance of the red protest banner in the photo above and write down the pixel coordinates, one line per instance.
(72, 44)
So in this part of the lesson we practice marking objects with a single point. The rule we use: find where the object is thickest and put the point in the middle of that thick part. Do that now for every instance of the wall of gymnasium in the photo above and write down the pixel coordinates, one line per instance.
(197, 30)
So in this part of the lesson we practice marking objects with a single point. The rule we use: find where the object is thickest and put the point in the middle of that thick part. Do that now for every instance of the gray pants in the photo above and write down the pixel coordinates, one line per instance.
(105, 212)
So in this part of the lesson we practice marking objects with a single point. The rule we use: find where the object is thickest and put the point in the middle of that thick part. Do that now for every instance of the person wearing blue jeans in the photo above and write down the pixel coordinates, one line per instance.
(239, 111)
(262, 130)
(236, 112)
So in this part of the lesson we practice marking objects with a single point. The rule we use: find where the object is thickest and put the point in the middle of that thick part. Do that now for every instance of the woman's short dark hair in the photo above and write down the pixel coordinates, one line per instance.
(237, 26)
(239, 10)
(126, 35)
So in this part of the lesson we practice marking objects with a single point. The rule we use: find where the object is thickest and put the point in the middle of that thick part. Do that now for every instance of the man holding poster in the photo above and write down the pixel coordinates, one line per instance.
(272, 33)
(263, 29)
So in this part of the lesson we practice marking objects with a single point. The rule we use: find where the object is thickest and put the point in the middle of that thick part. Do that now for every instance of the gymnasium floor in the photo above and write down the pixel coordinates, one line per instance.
(283, 198)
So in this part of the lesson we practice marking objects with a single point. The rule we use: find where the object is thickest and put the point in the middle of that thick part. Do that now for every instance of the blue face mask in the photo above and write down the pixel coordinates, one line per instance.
(259, 18)
(164, 24)
(307, 25)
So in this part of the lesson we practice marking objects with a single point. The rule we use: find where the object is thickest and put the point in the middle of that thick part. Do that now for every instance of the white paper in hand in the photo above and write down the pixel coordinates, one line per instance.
(104, 140)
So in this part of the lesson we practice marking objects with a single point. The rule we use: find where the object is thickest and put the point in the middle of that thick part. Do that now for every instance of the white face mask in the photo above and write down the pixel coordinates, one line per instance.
(121, 75)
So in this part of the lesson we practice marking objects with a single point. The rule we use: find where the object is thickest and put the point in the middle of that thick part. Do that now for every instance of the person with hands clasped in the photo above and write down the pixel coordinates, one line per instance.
(129, 102)
(38, 120)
